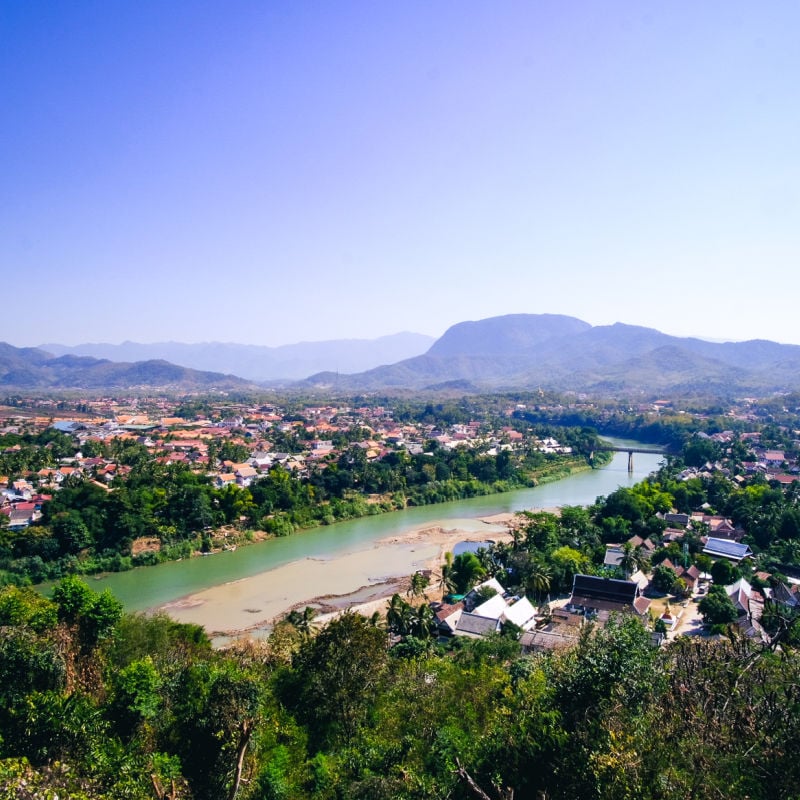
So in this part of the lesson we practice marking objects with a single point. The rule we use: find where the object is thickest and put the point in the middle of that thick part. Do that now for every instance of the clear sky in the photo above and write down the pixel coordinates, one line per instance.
(270, 172)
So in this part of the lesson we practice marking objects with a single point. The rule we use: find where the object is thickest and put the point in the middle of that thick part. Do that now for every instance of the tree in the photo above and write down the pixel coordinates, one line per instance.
(446, 574)
(337, 675)
(566, 562)
(418, 584)
(467, 570)
(303, 620)
(698, 451)
(613, 663)
(663, 578)
(398, 616)
(538, 577)
(215, 708)
(71, 532)
(717, 608)
(703, 562)
(135, 697)
(485, 593)
(724, 573)
(91, 616)
(540, 529)
(631, 560)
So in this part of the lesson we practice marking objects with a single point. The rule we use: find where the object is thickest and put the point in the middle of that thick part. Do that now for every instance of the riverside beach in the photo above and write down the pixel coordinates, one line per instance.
(364, 578)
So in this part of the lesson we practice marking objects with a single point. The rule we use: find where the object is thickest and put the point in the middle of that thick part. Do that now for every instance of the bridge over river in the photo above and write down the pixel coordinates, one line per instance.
(613, 448)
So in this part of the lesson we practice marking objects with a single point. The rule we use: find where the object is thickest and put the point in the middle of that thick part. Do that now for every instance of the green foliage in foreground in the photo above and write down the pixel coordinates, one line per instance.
(142, 707)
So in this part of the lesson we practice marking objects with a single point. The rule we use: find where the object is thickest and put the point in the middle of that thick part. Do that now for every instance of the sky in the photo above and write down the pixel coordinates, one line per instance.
(275, 172)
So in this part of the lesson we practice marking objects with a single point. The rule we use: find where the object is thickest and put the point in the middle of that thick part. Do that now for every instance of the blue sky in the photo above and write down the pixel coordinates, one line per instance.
(271, 172)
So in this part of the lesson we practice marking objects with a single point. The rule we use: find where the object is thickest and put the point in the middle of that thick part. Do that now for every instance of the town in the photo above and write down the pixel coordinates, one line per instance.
(670, 601)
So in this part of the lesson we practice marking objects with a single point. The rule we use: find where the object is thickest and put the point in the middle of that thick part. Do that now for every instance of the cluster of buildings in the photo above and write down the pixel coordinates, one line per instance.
(256, 437)
(488, 608)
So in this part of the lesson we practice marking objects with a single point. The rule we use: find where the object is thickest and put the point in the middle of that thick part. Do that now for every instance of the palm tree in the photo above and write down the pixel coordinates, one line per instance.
(306, 625)
(467, 571)
(425, 622)
(539, 577)
(446, 577)
(632, 559)
(489, 562)
(398, 616)
(418, 584)
(517, 535)
(303, 622)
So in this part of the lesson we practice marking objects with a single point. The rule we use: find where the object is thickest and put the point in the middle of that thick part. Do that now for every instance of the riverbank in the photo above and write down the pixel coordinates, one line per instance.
(146, 589)
(228, 538)
(250, 606)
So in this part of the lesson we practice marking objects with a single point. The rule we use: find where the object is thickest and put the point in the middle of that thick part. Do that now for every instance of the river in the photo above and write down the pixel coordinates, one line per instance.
(150, 587)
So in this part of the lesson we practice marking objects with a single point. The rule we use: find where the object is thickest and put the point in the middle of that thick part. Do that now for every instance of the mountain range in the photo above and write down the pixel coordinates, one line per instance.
(258, 363)
(564, 353)
(33, 369)
(517, 351)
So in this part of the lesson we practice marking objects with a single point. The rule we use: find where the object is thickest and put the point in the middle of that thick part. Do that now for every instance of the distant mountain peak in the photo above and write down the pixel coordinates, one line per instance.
(499, 335)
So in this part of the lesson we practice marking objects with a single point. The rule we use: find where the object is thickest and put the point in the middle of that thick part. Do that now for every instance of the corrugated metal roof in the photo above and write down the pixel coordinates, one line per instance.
(727, 548)
(473, 625)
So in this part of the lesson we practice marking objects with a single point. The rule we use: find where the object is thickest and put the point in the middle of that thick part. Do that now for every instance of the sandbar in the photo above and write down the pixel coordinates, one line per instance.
(362, 576)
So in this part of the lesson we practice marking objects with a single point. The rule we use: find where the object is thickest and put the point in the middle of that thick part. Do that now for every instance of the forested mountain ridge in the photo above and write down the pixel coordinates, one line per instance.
(564, 353)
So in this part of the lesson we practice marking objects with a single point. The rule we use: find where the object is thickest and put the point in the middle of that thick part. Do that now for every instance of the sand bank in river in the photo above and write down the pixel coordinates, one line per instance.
(328, 584)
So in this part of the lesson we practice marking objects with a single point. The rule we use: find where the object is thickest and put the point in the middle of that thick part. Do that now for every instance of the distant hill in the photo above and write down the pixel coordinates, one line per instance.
(257, 363)
(503, 336)
(517, 351)
(34, 369)
(565, 353)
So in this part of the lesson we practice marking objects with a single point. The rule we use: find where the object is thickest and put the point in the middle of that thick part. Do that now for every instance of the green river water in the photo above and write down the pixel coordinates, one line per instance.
(148, 587)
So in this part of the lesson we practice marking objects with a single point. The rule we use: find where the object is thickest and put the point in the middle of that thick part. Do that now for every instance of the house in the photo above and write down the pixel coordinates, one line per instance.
(20, 516)
(786, 595)
(727, 548)
(493, 608)
(245, 474)
(473, 598)
(592, 594)
(741, 594)
(646, 544)
(613, 556)
(447, 616)
(548, 639)
(676, 519)
(690, 575)
(520, 613)
(475, 626)
(640, 579)
(718, 527)
(723, 528)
